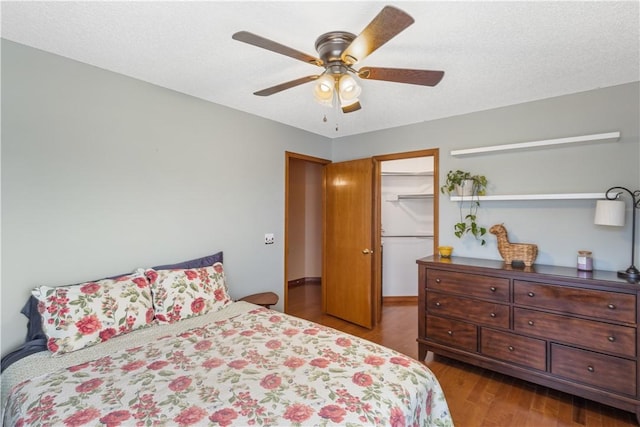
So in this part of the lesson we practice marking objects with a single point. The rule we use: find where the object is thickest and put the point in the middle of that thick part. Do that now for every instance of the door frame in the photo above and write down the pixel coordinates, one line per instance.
(288, 156)
(431, 152)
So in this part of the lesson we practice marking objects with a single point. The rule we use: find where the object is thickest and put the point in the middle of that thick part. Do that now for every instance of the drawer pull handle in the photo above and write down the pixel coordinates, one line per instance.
(531, 294)
(612, 339)
(450, 333)
(511, 348)
(438, 304)
(438, 280)
(591, 368)
(493, 289)
(492, 315)
(530, 322)
(611, 306)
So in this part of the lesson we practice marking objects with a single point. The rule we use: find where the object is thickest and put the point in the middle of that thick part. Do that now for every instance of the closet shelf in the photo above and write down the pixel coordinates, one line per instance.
(389, 173)
(424, 236)
(396, 197)
(563, 196)
(610, 136)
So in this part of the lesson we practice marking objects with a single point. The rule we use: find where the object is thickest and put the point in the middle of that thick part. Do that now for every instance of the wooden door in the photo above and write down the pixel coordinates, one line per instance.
(349, 262)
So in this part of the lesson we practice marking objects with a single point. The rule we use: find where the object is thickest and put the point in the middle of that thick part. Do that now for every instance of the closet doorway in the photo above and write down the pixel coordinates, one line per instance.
(409, 221)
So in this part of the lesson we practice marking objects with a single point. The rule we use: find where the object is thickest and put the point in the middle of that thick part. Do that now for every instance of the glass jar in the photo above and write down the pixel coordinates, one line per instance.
(585, 262)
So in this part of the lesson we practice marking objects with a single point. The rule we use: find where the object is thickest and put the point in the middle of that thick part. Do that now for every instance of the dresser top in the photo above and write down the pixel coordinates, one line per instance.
(537, 271)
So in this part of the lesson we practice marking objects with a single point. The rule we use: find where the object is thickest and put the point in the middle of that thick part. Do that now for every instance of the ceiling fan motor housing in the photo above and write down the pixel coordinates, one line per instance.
(330, 47)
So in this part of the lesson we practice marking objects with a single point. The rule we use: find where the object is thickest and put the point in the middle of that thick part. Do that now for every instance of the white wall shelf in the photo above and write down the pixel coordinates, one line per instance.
(610, 136)
(563, 196)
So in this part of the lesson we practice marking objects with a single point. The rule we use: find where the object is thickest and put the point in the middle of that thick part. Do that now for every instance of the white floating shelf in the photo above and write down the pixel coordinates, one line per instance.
(610, 136)
(564, 196)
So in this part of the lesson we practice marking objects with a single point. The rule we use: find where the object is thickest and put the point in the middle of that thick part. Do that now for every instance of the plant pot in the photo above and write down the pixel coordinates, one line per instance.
(466, 189)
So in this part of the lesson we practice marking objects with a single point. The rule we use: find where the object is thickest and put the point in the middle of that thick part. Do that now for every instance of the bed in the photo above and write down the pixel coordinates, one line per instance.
(221, 363)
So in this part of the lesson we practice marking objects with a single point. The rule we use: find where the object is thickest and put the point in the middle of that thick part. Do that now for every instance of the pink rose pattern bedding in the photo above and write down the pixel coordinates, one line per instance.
(258, 368)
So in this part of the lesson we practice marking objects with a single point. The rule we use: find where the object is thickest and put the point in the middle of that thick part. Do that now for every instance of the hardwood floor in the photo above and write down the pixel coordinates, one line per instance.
(476, 397)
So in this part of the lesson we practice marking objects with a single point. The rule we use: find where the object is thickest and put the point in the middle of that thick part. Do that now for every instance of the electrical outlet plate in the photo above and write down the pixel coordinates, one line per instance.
(269, 239)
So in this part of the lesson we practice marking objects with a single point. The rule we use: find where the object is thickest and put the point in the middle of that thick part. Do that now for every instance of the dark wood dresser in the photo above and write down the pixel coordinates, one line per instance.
(573, 331)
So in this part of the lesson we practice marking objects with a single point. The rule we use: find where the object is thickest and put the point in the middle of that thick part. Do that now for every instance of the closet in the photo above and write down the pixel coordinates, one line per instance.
(407, 217)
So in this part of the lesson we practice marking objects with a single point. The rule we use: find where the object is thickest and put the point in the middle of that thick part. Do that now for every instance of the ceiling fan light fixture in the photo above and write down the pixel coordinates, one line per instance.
(323, 89)
(348, 89)
(338, 51)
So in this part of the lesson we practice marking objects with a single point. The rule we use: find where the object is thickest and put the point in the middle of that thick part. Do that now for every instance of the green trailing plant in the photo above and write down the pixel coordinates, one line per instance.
(455, 181)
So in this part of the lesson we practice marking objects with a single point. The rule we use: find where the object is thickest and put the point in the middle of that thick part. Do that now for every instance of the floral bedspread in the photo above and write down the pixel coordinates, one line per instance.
(260, 367)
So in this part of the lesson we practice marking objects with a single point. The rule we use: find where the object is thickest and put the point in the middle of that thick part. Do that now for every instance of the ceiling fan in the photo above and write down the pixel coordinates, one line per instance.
(338, 52)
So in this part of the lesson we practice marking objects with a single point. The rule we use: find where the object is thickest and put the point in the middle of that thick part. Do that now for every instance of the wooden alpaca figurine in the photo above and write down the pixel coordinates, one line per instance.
(525, 252)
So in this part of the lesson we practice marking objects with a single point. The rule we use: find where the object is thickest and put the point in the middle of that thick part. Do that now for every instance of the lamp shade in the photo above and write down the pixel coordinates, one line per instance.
(610, 212)
(323, 90)
(348, 89)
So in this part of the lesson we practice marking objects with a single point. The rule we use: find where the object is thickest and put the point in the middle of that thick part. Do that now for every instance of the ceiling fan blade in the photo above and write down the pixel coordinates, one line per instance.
(351, 108)
(253, 39)
(284, 86)
(402, 75)
(386, 25)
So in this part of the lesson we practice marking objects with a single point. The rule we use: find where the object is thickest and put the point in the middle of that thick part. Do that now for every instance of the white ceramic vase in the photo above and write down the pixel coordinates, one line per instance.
(466, 189)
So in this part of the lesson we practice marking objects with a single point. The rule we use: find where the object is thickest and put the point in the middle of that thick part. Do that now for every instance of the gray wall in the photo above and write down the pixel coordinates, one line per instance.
(102, 174)
(559, 228)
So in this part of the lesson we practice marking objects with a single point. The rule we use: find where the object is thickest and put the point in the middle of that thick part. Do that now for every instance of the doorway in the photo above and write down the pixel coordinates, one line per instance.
(409, 191)
(303, 225)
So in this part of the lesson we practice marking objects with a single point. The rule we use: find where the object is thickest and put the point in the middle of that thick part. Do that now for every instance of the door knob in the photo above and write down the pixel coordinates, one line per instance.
(367, 251)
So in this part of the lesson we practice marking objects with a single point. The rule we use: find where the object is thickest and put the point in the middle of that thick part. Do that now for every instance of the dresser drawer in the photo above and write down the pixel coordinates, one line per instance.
(599, 304)
(586, 333)
(606, 372)
(453, 333)
(482, 312)
(485, 287)
(529, 352)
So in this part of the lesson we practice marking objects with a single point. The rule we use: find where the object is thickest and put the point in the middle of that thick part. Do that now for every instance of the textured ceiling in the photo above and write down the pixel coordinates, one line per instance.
(493, 53)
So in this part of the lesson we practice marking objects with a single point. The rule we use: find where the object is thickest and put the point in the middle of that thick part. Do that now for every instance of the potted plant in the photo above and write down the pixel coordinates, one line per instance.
(461, 182)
